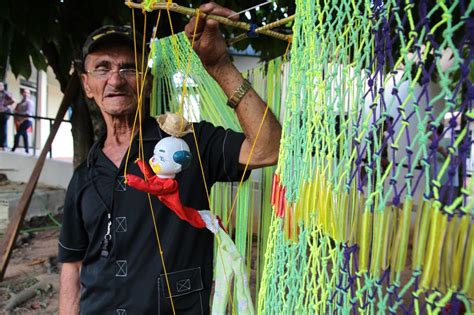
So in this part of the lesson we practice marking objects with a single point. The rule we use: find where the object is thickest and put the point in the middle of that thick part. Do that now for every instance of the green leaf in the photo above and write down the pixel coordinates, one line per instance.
(38, 59)
(6, 33)
(20, 57)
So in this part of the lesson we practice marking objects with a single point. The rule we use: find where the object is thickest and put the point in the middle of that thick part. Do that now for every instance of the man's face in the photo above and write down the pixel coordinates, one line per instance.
(115, 94)
(2, 87)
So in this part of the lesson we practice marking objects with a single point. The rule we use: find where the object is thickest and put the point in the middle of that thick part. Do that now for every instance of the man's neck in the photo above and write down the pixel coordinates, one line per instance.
(119, 132)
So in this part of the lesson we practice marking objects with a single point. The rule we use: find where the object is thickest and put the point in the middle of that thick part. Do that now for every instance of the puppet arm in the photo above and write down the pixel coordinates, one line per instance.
(153, 184)
(187, 214)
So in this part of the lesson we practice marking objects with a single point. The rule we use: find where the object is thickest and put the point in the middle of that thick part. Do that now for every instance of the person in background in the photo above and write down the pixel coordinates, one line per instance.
(22, 122)
(6, 103)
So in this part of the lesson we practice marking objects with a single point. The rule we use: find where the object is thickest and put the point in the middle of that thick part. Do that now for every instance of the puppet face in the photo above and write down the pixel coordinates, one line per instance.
(171, 156)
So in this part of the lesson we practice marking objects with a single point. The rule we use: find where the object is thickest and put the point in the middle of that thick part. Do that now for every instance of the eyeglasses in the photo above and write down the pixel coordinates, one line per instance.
(105, 73)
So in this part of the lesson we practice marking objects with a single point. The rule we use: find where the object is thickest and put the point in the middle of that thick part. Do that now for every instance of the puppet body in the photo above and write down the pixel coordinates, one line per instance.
(170, 156)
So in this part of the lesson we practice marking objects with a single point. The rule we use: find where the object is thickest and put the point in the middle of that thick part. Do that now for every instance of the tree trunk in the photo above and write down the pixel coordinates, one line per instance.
(87, 125)
(82, 133)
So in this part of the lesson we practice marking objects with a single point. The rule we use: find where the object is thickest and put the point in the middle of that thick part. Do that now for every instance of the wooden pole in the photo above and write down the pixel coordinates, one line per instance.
(192, 12)
(262, 28)
(275, 24)
(6, 247)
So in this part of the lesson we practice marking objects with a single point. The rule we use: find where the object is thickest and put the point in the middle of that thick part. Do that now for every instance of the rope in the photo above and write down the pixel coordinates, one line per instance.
(169, 6)
(138, 114)
(380, 219)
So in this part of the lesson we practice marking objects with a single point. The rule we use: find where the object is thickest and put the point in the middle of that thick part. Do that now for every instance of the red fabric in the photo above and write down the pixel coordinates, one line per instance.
(221, 224)
(166, 189)
(275, 185)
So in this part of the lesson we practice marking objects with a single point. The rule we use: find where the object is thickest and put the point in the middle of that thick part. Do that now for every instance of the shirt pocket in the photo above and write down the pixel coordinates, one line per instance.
(186, 290)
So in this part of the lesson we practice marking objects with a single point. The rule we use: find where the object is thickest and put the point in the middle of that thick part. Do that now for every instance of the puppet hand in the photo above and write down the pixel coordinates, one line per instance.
(212, 224)
(209, 43)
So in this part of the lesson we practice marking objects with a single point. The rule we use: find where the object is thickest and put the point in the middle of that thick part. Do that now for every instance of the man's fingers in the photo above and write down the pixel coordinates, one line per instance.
(190, 29)
(208, 8)
(215, 9)
(235, 17)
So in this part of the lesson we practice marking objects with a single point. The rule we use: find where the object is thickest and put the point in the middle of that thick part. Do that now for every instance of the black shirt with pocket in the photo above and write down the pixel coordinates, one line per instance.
(131, 279)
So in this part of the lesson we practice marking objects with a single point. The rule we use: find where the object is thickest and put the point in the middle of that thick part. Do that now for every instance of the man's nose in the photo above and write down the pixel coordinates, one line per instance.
(116, 78)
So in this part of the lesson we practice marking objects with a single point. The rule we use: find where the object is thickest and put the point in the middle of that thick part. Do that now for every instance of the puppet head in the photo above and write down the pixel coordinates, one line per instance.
(171, 156)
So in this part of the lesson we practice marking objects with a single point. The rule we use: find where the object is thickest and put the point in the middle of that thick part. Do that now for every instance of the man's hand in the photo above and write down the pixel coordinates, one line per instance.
(209, 43)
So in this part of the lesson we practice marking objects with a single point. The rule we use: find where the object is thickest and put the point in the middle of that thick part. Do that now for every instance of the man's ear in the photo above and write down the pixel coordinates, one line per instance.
(148, 85)
(85, 85)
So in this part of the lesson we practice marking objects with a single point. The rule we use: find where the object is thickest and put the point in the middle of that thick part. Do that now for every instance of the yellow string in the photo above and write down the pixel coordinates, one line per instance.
(141, 153)
(209, 202)
(173, 39)
(138, 114)
(200, 159)
(138, 87)
(253, 146)
(192, 125)
(188, 66)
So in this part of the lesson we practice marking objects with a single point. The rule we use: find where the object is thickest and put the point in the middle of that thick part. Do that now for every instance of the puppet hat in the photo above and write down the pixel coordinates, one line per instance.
(174, 124)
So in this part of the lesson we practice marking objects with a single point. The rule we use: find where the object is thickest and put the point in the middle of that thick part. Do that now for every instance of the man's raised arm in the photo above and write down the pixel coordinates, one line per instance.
(211, 48)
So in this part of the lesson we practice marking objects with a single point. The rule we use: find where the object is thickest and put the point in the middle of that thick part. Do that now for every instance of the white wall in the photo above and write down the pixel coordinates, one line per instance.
(62, 145)
(244, 63)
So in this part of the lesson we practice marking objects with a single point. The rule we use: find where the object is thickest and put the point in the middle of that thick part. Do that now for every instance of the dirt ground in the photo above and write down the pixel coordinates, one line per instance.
(31, 281)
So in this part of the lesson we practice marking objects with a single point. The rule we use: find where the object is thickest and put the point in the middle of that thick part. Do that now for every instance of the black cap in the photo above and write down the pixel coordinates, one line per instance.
(110, 34)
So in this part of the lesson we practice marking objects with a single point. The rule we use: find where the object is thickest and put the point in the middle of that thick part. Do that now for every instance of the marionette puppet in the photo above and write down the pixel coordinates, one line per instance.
(171, 155)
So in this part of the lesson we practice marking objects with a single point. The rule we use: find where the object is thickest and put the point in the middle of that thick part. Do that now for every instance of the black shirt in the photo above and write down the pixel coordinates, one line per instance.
(131, 279)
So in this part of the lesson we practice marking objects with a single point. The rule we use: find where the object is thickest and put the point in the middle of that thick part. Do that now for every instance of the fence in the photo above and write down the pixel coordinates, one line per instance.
(35, 143)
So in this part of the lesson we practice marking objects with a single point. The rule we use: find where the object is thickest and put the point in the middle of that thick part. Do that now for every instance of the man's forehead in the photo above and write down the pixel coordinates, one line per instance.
(114, 55)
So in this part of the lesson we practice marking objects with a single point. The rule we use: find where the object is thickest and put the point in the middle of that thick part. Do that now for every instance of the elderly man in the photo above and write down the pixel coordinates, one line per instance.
(112, 257)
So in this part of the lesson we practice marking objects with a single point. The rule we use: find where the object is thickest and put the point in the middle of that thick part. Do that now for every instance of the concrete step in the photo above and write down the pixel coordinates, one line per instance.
(45, 200)
(18, 167)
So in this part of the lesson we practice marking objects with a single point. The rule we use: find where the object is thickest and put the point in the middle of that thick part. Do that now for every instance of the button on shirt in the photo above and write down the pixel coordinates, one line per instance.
(131, 279)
